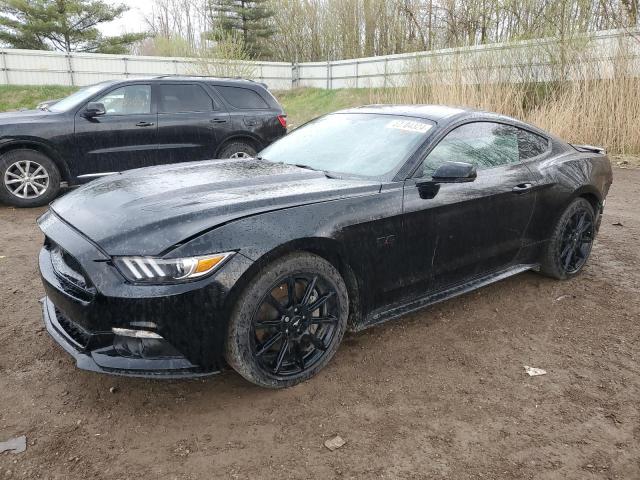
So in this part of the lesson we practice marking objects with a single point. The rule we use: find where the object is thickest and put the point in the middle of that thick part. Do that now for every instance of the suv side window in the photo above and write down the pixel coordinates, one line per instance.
(129, 100)
(483, 144)
(183, 98)
(242, 98)
(531, 145)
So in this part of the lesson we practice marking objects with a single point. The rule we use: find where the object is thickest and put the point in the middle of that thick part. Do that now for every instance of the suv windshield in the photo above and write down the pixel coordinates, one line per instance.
(76, 98)
(360, 144)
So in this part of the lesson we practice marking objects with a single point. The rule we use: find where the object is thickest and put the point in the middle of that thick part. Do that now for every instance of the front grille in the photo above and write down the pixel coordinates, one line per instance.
(77, 333)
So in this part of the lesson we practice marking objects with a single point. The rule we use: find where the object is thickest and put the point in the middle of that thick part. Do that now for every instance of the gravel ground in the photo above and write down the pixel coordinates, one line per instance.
(441, 393)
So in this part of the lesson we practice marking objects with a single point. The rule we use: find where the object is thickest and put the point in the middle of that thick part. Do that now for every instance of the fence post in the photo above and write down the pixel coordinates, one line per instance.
(294, 75)
(357, 65)
(126, 70)
(328, 75)
(5, 69)
(73, 83)
(175, 66)
(384, 81)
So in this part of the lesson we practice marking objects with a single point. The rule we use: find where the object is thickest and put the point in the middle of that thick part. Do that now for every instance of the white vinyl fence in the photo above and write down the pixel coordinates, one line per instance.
(533, 60)
(37, 67)
(596, 56)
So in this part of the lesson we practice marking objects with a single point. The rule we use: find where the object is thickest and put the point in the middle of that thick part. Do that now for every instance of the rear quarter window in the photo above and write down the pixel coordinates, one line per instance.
(531, 145)
(245, 98)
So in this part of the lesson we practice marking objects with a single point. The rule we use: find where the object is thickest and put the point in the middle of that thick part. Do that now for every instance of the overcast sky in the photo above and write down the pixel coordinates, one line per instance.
(131, 21)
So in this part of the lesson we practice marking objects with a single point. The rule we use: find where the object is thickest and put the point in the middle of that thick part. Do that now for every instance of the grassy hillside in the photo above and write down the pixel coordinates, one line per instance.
(304, 104)
(15, 97)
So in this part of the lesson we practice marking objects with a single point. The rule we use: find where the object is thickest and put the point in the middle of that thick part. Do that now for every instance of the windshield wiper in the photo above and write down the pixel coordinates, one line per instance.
(307, 167)
(301, 165)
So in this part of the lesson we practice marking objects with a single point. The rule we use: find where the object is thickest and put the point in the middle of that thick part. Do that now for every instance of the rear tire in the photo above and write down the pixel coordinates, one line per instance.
(571, 241)
(28, 178)
(238, 149)
(282, 344)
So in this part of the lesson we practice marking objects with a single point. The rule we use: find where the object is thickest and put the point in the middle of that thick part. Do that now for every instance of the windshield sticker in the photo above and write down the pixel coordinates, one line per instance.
(409, 126)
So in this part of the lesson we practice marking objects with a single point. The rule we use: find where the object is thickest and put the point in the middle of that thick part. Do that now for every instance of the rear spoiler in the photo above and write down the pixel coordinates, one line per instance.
(589, 148)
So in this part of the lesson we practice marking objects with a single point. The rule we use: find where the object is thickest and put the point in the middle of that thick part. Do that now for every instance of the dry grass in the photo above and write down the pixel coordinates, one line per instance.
(580, 110)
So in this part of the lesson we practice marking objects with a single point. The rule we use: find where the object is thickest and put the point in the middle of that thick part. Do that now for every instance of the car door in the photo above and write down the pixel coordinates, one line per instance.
(124, 137)
(249, 110)
(188, 120)
(468, 229)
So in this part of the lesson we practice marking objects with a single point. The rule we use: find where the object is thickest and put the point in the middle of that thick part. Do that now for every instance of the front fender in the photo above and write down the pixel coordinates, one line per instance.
(17, 142)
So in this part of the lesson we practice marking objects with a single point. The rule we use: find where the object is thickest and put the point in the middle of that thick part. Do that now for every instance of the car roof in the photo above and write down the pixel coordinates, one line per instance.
(441, 114)
(435, 113)
(429, 112)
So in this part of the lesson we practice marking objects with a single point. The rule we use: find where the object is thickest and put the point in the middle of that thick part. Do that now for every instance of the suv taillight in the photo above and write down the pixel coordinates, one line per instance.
(283, 120)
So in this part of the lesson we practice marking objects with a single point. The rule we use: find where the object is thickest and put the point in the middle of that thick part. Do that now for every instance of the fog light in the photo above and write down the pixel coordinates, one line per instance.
(142, 344)
(127, 332)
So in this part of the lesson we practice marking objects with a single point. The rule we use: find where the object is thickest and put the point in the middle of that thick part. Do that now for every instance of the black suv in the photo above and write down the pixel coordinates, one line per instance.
(119, 125)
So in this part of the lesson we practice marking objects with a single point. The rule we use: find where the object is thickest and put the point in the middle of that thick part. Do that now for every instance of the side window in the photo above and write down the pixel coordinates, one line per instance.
(242, 97)
(130, 100)
(531, 145)
(483, 144)
(183, 98)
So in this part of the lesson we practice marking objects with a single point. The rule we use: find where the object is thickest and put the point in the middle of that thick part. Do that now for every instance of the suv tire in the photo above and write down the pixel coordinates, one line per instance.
(28, 178)
(238, 149)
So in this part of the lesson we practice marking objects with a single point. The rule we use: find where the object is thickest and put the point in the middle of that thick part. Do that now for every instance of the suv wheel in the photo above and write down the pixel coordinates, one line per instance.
(29, 178)
(238, 149)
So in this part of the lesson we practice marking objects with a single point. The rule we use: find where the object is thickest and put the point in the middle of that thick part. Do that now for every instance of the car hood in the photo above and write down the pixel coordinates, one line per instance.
(27, 115)
(149, 210)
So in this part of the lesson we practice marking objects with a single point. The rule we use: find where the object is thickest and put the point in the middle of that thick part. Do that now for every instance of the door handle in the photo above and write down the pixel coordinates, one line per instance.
(218, 120)
(522, 188)
(145, 124)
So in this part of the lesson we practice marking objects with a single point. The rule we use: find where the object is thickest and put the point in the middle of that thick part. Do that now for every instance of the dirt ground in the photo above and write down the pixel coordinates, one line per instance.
(439, 394)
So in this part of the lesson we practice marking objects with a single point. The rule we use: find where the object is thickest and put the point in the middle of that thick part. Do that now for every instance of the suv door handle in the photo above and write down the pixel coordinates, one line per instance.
(218, 120)
(522, 188)
(145, 124)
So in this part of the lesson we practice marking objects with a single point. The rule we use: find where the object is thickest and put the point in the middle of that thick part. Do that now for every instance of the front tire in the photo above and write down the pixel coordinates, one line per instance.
(571, 241)
(288, 321)
(28, 178)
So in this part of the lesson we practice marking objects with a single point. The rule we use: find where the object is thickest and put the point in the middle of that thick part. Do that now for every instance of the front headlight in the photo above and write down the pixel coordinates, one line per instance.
(170, 270)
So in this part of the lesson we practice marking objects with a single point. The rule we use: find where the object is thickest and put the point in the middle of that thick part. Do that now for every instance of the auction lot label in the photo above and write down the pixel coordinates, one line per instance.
(409, 126)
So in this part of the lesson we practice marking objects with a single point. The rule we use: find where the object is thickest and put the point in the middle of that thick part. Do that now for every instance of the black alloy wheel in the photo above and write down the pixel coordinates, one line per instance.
(571, 241)
(294, 324)
(288, 321)
(577, 240)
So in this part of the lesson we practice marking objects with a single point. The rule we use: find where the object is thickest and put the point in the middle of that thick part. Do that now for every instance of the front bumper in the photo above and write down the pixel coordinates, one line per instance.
(108, 359)
(91, 311)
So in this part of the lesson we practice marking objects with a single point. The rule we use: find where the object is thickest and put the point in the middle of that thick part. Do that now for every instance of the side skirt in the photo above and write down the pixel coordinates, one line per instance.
(383, 315)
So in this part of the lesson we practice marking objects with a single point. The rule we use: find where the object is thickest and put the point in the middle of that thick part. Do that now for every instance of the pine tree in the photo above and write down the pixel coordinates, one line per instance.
(246, 20)
(66, 25)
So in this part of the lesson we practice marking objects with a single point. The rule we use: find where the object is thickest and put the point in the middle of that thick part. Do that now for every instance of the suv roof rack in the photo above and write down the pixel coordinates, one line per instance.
(180, 75)
(168, 75)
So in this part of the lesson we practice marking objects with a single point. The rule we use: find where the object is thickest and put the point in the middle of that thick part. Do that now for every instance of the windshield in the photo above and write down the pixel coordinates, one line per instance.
(76, 98)
(361, 144)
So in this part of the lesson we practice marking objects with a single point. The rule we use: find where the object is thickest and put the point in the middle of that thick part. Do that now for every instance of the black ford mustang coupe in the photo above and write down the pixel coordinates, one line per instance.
(356, 218)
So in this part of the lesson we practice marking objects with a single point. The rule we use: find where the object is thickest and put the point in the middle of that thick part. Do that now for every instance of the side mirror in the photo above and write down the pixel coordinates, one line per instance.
(94, 109)
(455, 172)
